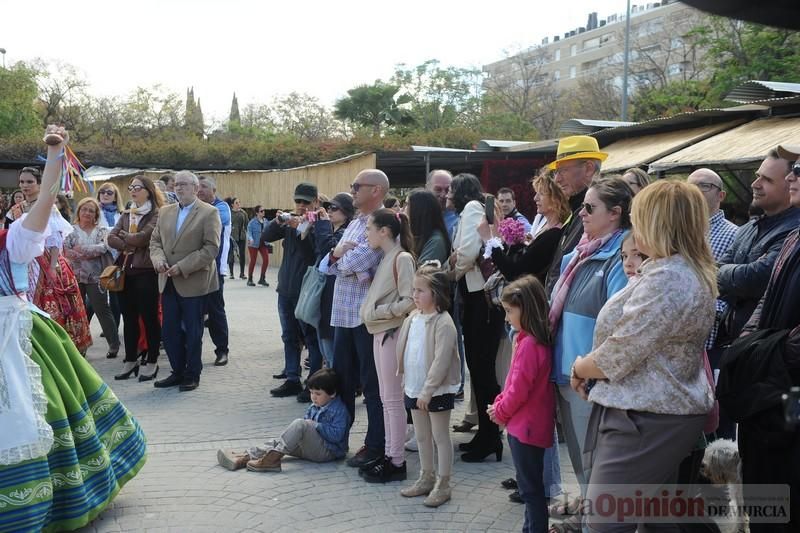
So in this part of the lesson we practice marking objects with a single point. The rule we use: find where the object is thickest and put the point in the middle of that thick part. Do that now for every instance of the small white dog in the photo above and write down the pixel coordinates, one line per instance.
(722, 466)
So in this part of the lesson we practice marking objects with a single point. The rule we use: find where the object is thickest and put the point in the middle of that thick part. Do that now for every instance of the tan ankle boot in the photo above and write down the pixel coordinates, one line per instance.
(231, 459)
(422, 486)
(440, 493)
(269, 462)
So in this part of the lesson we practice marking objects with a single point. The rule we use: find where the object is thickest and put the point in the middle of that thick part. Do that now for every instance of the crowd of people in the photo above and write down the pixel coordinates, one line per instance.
(608, 320)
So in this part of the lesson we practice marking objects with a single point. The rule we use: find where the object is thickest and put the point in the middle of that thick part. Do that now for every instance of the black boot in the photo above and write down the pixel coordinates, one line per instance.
(250, 282)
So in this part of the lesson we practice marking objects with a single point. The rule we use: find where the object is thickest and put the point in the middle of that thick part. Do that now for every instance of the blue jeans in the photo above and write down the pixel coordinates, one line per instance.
(529, 462)
(292, 331)
(354, 362)
(182, 332)
(552, 470)
(217, 320)
(326, 347)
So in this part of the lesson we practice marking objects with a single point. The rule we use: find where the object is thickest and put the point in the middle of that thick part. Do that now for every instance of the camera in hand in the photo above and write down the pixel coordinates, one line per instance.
(285, 217)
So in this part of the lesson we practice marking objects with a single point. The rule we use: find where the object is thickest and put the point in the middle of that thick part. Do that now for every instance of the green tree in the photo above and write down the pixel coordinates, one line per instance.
(303, 116)
(193, 115)
(673, 98)
(374, 106)
(441, 97)
(234, 120)
(18, 93)
(742, 51)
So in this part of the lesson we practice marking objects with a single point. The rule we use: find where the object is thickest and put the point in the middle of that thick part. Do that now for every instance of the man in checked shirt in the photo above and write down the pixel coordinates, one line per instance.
(354, 263)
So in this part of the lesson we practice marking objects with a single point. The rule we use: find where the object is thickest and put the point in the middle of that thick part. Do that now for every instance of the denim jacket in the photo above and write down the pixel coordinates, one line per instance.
(333, 422)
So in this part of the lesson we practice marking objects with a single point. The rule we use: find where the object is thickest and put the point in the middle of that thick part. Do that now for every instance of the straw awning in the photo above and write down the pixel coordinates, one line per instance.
(638, 151)
(738, 148)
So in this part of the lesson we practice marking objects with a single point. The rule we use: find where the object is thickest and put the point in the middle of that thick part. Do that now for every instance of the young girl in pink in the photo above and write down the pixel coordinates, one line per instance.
(386, 305)
(526, 407)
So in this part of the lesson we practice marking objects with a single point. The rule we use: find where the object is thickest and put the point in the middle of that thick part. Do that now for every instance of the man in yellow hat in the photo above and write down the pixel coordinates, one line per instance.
(577, 163)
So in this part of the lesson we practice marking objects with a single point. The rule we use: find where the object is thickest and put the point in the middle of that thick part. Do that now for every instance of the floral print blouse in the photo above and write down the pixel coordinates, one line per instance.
(649, 342)
(88, 253)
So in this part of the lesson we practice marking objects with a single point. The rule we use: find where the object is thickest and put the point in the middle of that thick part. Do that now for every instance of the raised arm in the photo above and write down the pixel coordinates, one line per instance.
(40, 212)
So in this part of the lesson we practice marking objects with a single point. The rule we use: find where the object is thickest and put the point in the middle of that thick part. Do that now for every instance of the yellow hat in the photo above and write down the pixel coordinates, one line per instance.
(577, 147)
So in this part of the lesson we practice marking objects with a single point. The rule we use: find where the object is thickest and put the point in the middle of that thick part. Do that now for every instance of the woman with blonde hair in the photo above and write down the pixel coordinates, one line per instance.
(637, 179)
(87, 251)
(110, 203)
(652, 394)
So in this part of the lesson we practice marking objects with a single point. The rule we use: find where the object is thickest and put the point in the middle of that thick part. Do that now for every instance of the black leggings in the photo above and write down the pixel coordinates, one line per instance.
(482, 325)
(140, 299)
(242, 258)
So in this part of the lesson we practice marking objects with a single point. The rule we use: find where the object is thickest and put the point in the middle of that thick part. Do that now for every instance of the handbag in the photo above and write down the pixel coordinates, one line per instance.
(494, 287)
(309, 302)
(112, 278)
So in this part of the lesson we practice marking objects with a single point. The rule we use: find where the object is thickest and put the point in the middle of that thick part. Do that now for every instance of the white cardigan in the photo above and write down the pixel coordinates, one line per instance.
(467, 242)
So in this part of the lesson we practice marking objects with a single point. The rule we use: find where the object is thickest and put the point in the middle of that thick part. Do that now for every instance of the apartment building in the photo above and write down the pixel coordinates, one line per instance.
(661, 50)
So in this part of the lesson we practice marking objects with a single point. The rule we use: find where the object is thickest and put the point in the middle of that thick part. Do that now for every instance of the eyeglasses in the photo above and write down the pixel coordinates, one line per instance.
(135, 188)
(561, 170)
(706, 187)
(301, 202)
(109, 192)
(588, 207)
(333, 208)
(796, 170)
(263, 211)
(356, 186)
(181, 184)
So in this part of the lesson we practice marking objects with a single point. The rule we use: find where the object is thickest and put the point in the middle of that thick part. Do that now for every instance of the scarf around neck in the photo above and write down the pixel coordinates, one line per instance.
(136, 213)
(110, 212)
(583, 252)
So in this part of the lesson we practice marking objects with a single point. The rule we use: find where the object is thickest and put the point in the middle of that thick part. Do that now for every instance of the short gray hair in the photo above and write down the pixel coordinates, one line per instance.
(211, 181)
(187, 174)
(432, 173)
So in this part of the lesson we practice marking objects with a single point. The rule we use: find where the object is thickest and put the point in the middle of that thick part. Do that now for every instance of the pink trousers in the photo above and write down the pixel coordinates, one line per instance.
(391, 392)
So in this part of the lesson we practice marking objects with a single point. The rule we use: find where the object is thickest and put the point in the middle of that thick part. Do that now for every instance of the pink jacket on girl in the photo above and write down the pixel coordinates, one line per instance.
(527, 405)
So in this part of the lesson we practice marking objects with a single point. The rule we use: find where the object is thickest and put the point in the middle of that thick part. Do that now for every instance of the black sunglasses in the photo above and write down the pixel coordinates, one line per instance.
(796, 170)
(588, 207)
(302, 202)
(333, 208)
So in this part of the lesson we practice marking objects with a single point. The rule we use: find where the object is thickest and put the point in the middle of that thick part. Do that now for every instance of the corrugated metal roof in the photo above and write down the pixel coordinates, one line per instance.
(488, 145)
(580, 126)
(755, 90)
(418, 148)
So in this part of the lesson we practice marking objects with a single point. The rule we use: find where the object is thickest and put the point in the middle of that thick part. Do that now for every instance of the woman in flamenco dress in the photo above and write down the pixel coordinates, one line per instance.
(67, 445)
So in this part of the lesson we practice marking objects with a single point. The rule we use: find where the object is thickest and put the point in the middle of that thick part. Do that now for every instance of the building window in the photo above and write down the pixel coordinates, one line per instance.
(573, 50)
(572, 71)
(591, 43)
(557, 56)
(557, 75)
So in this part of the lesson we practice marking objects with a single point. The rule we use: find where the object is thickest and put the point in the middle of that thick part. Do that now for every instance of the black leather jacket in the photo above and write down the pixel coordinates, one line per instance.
(745, 268)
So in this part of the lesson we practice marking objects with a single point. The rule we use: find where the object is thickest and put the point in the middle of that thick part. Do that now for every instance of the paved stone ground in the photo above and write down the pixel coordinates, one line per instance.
(181, 488)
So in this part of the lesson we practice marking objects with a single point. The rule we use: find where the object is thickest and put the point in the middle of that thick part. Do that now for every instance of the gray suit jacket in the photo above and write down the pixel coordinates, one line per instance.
(194, 249)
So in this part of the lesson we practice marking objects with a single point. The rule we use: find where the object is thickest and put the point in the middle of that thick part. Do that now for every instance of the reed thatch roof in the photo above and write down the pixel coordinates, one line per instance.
(639, 151)
(737, 148)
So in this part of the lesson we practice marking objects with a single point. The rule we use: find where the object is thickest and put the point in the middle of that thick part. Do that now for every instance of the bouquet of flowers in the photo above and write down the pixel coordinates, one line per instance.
(512, 231)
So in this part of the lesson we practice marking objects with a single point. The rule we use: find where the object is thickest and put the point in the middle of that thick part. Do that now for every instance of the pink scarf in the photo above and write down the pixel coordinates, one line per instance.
(583, 252)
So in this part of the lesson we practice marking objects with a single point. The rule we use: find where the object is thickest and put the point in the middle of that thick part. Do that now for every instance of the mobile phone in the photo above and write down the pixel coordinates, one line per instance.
(490, 209)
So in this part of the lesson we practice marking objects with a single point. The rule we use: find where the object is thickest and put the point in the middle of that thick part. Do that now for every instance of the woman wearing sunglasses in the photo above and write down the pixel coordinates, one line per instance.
(590, 275)
(139, 298)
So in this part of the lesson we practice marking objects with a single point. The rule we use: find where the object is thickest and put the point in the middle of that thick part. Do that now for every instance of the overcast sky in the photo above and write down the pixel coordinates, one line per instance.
(264, 49)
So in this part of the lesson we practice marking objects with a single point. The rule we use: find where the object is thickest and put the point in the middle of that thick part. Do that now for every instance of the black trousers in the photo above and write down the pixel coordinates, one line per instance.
(241, 245)
(217, 319)
(140, 299)
(482, 325)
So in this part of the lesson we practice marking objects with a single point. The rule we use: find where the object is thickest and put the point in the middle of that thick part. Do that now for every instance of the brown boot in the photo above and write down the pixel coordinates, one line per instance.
(440, 493)
(270, 462)
(422, 486)
(232, 460)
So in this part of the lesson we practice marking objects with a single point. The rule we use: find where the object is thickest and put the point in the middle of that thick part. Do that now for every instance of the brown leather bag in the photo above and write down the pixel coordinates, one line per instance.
(112, 278)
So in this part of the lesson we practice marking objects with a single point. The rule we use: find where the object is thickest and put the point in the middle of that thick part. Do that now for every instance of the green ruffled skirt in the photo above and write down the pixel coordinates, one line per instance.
(98, 446)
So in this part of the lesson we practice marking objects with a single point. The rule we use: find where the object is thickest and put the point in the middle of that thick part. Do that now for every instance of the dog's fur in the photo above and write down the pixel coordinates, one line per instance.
(722, 466)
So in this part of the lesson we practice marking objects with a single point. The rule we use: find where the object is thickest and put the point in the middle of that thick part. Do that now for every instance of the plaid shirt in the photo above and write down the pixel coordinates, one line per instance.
(720, 236)
(354, 271)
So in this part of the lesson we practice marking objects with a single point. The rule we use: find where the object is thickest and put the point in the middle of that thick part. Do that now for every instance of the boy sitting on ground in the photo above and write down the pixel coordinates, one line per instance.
(320, 436)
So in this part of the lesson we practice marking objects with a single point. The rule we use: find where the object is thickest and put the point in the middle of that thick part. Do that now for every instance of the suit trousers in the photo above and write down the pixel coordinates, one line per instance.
(217, 319)
(183, 331)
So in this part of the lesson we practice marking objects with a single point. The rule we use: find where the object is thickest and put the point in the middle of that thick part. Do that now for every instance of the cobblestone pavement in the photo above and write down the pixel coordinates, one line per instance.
(181, 488)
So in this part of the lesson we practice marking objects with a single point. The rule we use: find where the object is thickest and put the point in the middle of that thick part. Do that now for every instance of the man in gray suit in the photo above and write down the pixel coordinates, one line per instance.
(183, 249)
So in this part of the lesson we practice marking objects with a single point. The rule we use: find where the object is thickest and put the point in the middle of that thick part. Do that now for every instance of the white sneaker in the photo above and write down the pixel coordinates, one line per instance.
(411, 445)
(409, 432)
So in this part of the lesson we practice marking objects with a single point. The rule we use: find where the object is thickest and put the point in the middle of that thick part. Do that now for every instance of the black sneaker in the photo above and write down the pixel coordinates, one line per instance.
(304, 396)
(364, 455)
(371, 464)
(263, 283)
(515, 497)
(385, 472)
(289, 388)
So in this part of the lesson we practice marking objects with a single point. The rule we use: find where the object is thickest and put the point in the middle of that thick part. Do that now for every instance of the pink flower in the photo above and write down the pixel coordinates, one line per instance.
(512, 231)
